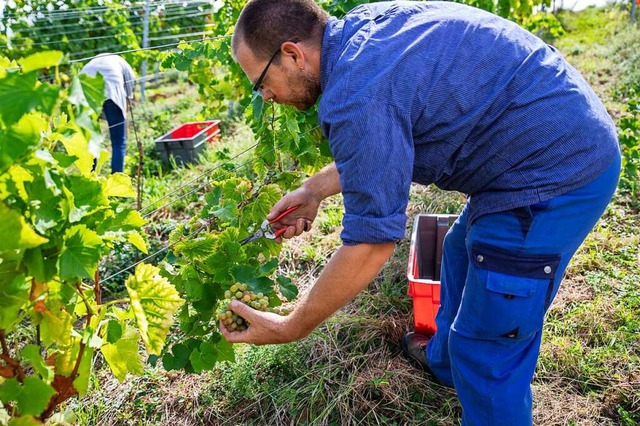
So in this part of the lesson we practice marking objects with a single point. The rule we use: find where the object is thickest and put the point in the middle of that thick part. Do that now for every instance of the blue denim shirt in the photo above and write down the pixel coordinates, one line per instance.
(439, 92)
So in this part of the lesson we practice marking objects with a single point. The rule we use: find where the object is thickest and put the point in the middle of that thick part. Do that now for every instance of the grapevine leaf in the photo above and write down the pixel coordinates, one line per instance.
(177, 358)
(93, 88)
(88, 197)
(56, 324)
(228, 253)
(210, 294)
(32, 354)
(80, 253)
(154, 301)
(125, 220)
(15, 233)
(223, 348)
(76, 145)
(19, 176)
(19, 95)
(266, 150)
(226, 211)
(113, 331)
(13, 295)
(292, 125)
(260, 285)
(40, 266)
(198, 248)
(44, 192)
(269, 267)
(81, 383)
(257, 103)
(9, 390)
(119, 185)
(123, 356)
(65, 360)
(138, 242)
(64, 160)
(34, 396)
(40, 60)
(258, 210)
(287, 288)
(193, 287)
(203, 358)
(243, 273)
(91, 129)
(21, 138)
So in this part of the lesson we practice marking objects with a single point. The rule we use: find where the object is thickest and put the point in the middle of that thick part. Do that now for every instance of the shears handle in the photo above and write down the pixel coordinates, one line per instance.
(284, 213)
(279, 232)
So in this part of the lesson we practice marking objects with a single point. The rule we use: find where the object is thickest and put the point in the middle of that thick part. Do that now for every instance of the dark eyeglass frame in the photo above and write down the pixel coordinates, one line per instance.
(256, 86)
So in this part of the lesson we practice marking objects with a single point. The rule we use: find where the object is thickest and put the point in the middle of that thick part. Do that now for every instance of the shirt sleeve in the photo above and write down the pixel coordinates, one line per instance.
(373, 149)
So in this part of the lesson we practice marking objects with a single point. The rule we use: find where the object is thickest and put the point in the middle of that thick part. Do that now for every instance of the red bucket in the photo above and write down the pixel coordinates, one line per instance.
(423, 273)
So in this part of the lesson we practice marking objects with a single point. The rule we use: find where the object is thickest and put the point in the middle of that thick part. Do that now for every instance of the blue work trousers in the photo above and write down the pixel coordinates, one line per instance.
(117, 134)
(499, 275)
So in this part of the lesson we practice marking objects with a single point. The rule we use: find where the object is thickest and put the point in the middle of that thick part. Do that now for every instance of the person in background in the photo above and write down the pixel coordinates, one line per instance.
(446, 94)
(119, 83)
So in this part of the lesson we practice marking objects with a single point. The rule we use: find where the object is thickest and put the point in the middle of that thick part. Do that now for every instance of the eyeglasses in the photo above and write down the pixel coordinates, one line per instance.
(256, 86)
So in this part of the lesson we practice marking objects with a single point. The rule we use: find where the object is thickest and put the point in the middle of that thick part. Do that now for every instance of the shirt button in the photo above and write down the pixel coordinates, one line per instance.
(480, 258)
(547, 269)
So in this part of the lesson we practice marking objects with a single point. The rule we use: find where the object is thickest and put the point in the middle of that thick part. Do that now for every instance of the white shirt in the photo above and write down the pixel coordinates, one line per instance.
(119, 78)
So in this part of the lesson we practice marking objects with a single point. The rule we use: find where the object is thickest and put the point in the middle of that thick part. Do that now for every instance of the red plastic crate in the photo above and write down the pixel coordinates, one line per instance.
(209, 129)
(423, 272)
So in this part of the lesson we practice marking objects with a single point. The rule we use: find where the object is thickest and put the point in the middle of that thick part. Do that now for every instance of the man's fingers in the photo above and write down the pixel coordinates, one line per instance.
(243, 310)
(233, 336)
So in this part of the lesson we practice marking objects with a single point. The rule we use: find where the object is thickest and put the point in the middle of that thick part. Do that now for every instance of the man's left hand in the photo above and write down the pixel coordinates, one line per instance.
(264, 327)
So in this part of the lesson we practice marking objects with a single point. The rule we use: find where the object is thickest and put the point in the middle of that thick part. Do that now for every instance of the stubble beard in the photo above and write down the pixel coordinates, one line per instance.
(305, 91)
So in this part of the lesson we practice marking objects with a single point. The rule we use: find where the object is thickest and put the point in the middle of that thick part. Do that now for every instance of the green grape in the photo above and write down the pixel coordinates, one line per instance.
(234, 288)
(239, 295)
(227, 294)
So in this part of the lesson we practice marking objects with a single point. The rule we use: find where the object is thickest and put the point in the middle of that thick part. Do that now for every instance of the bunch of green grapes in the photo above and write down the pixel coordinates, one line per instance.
(239, 292)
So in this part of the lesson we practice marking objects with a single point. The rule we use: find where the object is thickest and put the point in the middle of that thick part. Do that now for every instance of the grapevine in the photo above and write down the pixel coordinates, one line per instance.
(59, 218)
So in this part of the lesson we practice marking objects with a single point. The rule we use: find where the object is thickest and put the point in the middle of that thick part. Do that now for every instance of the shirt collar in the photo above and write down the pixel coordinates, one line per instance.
(329, 52)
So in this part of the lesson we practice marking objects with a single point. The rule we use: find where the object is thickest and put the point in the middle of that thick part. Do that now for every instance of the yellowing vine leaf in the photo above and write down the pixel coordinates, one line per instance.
(154, 301)
(138, 242)
(78, 146)
(40, 60)
(119, 185)
(15, 232)
(123, 356)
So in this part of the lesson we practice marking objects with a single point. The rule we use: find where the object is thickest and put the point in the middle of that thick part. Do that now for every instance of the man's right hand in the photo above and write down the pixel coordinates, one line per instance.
(323, 184)
(300, 220)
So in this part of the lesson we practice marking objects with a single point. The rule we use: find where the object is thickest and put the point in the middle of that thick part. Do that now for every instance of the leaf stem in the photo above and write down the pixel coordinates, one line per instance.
(90, 311)
(115, 302)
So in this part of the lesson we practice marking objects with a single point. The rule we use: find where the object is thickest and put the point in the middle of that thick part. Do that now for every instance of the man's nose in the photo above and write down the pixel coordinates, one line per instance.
(266, 94)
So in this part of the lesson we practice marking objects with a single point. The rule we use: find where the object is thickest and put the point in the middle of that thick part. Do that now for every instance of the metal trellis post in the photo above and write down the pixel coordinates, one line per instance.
(145, 44)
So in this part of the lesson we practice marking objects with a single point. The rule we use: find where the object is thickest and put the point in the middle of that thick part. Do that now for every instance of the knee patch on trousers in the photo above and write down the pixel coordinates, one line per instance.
(506, 294)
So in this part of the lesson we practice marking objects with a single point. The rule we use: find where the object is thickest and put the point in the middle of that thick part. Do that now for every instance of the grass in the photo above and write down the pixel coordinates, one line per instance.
(350, 370)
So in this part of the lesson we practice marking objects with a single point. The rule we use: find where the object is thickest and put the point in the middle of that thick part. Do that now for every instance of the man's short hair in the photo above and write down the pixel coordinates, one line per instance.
(264, 25)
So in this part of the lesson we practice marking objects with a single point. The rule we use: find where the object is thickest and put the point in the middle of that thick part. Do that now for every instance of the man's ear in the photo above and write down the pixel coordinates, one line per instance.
(295, 52)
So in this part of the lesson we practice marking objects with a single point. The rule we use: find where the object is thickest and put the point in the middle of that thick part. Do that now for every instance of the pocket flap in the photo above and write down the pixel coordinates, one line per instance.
(512, 285)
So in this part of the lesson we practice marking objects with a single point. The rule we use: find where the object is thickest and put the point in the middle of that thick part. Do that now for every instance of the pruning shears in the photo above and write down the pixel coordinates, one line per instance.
(267, 231)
